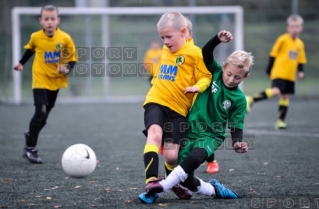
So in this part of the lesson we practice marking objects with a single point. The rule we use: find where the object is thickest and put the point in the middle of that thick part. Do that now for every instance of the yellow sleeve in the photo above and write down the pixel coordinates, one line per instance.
(276, 47)
(203, 84)
(30, 45)
(302, 55)
(202, 75)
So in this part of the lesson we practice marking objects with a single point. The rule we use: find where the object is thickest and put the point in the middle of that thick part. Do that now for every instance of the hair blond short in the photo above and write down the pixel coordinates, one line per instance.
(240, 59)
(49, 8)
(172, 19)
(294, 18)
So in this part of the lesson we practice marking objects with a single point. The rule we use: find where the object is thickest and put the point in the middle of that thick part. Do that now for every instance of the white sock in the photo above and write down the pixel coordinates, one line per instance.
(205, 189)
(177, 175)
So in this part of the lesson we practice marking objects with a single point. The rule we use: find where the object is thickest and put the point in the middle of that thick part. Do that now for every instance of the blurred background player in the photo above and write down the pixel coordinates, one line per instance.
(287, 55)
(152, 58)
(181, 74)
(212, 164)
(54, 58)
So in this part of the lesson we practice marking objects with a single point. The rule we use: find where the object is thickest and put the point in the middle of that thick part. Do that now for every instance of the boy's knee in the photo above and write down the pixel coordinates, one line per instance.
(154, 135)
(275, 91)
(171, 156)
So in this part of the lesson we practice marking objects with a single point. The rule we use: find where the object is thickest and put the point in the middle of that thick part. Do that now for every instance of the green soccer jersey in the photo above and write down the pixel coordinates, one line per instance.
(215, 107)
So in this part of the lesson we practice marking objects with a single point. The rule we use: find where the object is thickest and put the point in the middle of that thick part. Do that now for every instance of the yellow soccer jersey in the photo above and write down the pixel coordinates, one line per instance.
(177, 71)
(288, 53)
(153, 57)
(49, 53)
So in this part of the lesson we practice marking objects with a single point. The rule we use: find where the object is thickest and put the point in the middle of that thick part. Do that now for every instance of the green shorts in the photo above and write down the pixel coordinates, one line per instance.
(207, 143)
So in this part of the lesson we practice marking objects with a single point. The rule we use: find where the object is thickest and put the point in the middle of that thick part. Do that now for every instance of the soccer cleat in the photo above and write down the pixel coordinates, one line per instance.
(148, 199)
(31, 154)
(280, 124)
(182, 192)
(249, 102)
(153, 187)
(161, 150)
(212, 167)
(222, 192)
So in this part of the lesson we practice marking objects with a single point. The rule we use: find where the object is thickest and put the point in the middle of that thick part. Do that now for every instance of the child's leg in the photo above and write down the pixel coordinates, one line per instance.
(153, 120)
(212, 164)
(35, 127)
(175, 132)
(180, 173)
(151, 152)
(266, 94)
(283, 106)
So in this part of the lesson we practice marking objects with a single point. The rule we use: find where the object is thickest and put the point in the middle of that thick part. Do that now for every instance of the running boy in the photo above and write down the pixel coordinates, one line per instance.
(221, 104)
(286, 56)
(182, 73)
(152, 58)
(54, 58)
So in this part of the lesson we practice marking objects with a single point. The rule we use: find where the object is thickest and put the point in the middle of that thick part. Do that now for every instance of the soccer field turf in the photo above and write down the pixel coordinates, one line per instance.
(280, 171)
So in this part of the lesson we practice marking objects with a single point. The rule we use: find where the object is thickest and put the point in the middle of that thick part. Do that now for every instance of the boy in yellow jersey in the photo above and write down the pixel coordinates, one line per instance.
(152, 58)
(54, 58)
(181, 74)
(286, 56)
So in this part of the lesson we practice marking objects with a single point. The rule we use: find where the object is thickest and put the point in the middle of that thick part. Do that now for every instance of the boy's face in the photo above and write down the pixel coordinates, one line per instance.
(49, 21)
(232, 75)
(173, 39)
(294, 28)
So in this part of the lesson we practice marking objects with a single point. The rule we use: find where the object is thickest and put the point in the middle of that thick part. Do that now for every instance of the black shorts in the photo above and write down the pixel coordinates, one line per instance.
(174, 125)
(44, 97)
(285, 86)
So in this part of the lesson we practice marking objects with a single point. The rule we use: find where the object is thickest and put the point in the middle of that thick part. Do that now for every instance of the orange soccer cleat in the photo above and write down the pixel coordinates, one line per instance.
(212, 167)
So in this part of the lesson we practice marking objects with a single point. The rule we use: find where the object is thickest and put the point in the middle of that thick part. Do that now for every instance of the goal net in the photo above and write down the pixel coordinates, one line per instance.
(102, 33)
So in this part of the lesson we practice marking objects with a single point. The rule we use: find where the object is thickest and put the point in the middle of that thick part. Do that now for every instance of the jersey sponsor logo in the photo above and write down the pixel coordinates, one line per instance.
(226, 104)
(293, 55)
(168, 72)
(180, 60)
(215, 87)
(52, 57)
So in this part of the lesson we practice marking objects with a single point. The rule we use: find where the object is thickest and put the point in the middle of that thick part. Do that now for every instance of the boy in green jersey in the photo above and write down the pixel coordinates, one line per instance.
(222, 104)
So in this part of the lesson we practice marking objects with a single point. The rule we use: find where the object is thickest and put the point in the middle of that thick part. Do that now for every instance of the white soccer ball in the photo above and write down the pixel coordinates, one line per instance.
(78, 161)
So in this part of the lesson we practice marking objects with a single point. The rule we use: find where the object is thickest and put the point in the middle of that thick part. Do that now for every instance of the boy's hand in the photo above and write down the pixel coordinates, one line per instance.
(240, 147)
(191, 89)
(225, 36)
(18, 67)
(62, 69)
(301, 75)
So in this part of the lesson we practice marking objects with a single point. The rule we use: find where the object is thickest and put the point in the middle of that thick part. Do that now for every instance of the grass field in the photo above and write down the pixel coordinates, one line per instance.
(279, 171)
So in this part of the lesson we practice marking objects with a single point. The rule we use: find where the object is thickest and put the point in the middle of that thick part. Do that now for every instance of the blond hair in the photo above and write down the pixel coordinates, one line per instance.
(294, 18)
(240, 59)
(49, 8)
(189, 25)
(172, 19)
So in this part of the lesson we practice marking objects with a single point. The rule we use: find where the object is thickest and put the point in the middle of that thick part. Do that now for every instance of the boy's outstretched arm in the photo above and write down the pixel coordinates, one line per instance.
(26, 56)
(223, 36)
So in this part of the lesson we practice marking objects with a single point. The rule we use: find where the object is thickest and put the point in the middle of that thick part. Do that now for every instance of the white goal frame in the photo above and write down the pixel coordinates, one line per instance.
(16, 39)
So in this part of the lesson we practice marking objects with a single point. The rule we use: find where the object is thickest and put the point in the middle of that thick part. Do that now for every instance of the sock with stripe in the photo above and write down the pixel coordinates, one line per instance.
(151, 161)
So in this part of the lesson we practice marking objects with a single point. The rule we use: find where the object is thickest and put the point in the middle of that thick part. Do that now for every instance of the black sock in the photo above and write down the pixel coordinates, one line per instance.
(150, 161)
(260, 96)
(282, 112)
(211, 158)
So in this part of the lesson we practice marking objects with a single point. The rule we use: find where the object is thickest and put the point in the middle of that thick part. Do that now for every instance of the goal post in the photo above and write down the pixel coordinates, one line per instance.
(106, 28)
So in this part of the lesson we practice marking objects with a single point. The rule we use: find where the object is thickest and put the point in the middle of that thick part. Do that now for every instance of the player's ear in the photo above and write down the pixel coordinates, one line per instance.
(183, 31)
(40, 19)
(58, 20)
